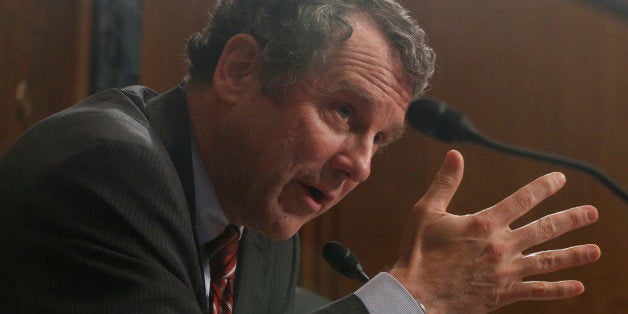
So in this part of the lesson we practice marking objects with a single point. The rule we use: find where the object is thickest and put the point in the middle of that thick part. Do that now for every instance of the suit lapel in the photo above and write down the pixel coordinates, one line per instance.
(266, 274)
(168, 116)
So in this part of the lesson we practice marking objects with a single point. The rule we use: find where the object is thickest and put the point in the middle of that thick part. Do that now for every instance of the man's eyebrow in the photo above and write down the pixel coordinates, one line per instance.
(344, 87)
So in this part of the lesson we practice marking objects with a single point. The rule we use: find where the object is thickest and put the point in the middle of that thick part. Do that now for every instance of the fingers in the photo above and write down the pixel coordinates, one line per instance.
(543, 290)
(520, 202)
(549, 261)
(445, 183)
(551, 226)
(546, 262)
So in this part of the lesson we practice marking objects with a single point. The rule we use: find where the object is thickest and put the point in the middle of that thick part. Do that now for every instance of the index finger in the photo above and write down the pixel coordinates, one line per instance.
(520, 202)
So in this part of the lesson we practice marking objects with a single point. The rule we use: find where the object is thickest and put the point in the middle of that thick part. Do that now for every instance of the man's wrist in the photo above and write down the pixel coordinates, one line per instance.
(400, 276)
(385, 294)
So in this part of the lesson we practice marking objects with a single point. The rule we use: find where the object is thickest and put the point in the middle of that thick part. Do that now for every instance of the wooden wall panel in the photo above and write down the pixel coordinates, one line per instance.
(166, 27)
(45, 56)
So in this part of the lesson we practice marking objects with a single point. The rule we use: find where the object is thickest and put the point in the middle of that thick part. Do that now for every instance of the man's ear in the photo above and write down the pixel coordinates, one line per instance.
(238, 61)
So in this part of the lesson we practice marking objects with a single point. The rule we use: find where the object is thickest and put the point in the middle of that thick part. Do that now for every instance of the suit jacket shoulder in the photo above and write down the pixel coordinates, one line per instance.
(94, 217)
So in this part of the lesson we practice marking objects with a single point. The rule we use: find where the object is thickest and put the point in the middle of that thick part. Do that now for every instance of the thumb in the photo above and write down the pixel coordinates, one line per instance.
(432, 205)
(444, 185)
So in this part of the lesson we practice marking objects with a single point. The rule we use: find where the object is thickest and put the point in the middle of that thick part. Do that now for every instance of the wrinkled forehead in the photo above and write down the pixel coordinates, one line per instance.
(369, 52)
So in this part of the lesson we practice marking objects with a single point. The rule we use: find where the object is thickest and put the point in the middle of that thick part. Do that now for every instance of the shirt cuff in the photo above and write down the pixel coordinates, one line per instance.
(384, 294)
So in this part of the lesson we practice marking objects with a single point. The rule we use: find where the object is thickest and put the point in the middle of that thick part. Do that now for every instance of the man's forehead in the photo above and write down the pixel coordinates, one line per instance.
(373, 88)
(364, 95)
(345, 87)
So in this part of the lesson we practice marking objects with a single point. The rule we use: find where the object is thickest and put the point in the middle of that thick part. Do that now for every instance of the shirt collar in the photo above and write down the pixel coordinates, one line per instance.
(210, 219)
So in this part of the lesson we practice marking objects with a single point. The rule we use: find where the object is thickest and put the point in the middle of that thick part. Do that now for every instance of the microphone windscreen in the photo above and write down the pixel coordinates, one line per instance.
(438, 120)
(339, 257)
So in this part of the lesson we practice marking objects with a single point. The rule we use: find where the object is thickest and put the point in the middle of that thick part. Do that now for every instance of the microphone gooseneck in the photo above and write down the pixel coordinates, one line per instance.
(343, 261)
(444, 123)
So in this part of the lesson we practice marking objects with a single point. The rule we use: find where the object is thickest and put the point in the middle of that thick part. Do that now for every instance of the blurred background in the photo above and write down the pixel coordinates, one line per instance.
(548, 75)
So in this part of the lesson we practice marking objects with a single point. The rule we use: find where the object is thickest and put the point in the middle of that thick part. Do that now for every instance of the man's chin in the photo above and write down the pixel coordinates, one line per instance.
(277, 222)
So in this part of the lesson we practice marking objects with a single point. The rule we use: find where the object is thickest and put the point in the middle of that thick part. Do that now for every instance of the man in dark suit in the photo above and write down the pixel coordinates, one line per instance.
(107, 206)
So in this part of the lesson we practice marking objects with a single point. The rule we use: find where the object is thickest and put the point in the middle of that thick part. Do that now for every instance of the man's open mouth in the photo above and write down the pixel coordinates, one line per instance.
(316, 194)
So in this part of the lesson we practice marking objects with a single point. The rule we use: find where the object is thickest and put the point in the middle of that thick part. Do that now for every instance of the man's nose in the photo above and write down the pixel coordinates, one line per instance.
(354, 160)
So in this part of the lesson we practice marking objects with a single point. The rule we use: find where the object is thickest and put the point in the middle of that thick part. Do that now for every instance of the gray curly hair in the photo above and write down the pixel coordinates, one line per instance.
(298, 35)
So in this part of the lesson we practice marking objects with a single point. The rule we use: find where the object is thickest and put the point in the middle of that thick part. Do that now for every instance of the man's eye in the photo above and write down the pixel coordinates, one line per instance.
(377, 139)
(344, 112)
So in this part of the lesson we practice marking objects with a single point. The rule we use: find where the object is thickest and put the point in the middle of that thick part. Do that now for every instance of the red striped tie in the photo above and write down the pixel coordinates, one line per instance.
(223, 253)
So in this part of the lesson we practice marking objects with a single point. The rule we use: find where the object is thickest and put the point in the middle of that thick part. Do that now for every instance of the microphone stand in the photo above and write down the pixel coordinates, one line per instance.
(475, 137)
(616, 7)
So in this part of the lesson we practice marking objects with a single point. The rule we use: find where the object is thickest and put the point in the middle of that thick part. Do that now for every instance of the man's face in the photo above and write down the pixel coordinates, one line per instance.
(283, 164)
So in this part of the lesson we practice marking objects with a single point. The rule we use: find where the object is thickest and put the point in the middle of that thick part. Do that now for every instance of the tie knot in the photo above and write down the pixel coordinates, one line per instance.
(222, 252)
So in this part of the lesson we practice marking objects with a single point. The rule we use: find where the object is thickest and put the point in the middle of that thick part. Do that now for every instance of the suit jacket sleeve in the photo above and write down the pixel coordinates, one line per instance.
(348, 304)
(85, 241)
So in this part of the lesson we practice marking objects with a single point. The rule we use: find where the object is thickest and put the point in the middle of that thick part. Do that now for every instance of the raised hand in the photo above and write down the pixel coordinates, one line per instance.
(473, 263)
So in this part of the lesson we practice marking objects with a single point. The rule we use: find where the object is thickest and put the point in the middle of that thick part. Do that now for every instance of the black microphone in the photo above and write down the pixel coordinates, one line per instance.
(444, 123)
(343, 261)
